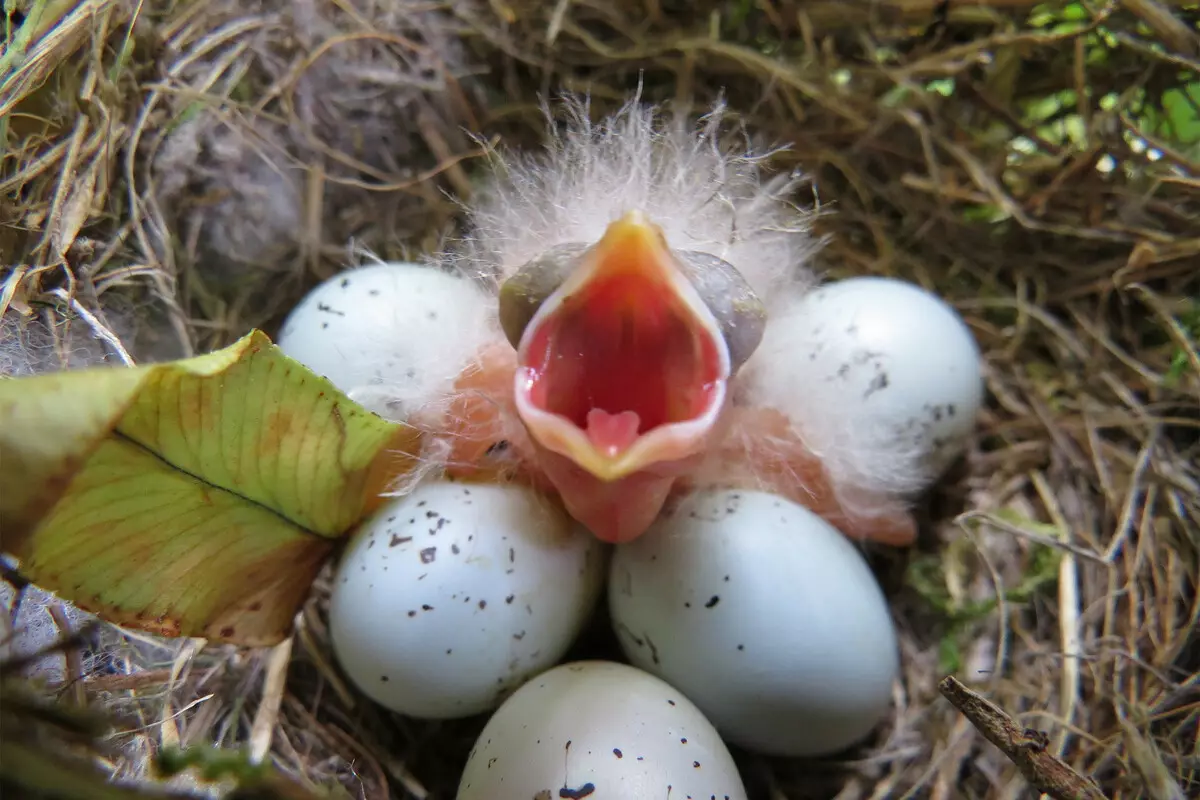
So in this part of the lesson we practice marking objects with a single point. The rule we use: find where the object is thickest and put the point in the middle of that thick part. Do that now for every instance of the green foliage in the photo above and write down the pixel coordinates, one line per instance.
(1174, 115)
(1052, 19)
(260, 781)
(1189, 320)
(950, 659)
(984, 212)
(736, 22)
(1171, 116)
(930, 577)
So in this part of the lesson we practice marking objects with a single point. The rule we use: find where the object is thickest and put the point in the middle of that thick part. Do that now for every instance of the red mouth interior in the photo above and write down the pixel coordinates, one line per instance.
(622, 357)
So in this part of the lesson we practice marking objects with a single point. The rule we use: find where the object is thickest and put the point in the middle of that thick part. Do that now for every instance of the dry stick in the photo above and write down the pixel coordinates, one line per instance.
(1025, 747)
(1169, 28)
(72, 655)
(268, 710)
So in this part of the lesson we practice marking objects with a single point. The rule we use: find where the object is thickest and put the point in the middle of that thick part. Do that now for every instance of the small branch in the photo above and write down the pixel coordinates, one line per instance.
(1169, 28)
(1025, 747)
(268, 710)
(72, 655)
(98, 327)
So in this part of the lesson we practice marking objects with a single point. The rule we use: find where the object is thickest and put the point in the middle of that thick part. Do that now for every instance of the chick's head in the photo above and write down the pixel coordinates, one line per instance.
(636, 263)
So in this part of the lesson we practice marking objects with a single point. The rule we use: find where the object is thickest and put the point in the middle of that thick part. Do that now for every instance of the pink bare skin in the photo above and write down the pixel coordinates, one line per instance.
(751, 448)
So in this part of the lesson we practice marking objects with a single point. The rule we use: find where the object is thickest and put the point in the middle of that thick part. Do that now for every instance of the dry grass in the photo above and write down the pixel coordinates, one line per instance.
(220, 157)
(1017, 165)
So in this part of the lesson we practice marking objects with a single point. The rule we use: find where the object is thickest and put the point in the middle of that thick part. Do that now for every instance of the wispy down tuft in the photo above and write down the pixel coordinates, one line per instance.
(705, 194)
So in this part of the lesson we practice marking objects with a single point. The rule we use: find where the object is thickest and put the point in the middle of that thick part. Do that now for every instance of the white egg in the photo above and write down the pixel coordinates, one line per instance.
(447, 599)
(882, 378)
(763, 614)
(602, 731)
(390, 335)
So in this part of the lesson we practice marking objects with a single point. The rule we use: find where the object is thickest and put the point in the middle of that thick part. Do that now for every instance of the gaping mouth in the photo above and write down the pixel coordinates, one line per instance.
(623, 366)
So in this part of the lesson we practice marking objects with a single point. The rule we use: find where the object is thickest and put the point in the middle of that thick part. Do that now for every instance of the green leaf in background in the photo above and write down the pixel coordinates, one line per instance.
(1066, 19)
(192, 498)
(1189, 320)
(1175, 118)
(1182, 107)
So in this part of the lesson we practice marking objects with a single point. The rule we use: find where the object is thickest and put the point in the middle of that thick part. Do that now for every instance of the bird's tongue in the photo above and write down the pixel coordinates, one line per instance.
(621, 360)
(612, 434)
(621, 376)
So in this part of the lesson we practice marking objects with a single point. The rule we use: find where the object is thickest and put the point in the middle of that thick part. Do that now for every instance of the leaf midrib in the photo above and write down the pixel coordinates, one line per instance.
(119, 434)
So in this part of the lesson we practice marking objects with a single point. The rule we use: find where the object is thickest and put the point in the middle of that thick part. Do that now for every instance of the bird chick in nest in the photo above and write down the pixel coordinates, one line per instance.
(606, 343)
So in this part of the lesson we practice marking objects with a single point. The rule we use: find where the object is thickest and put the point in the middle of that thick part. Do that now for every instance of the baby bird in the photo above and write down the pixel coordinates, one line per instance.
(622, 322)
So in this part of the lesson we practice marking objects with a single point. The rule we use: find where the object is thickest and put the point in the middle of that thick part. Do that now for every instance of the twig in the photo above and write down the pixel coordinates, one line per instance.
(268, 711)
(1025, 747)
(1148, 763)
(1165, 24)
(81, 638)
(556, 20)
(71, 654)
(1068, 607)
(97, 326)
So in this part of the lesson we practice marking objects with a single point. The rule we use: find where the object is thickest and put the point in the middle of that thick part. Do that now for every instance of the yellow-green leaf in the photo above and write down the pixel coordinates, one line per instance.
(192, 498)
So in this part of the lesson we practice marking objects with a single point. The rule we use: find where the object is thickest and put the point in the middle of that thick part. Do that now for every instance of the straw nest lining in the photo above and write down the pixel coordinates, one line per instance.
(180, 172)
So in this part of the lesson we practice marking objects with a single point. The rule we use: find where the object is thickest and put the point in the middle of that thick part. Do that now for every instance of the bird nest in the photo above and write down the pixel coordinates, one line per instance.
(176, 173)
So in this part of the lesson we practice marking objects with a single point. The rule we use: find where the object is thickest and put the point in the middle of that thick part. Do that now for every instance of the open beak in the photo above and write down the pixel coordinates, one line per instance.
(621, 379)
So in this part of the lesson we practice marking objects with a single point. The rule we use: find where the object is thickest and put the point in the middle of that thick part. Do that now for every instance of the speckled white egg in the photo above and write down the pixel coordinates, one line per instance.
(390, 335)
(602, 731)
(447, 599)
(883, 378)
(766, 616)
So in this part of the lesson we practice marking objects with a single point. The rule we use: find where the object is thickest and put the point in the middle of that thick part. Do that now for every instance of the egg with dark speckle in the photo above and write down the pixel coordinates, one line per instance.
(602, 731)
(390, 335)
(448, 598)
(766, 616)
(882, 378)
